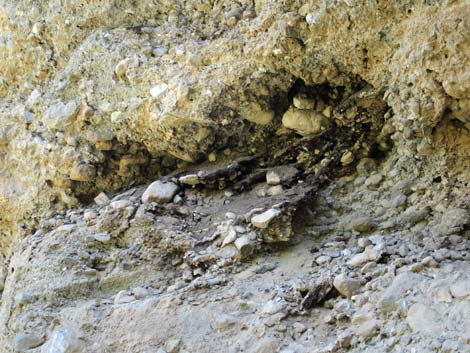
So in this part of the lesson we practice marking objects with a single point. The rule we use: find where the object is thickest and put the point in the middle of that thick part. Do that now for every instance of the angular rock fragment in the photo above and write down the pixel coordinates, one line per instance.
(281, 174)
(102, 237)
(262, 220)
(190, 179)
(371, 253)
(461, 289)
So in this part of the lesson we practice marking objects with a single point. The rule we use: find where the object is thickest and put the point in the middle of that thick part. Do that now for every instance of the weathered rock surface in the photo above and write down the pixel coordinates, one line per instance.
(234, 176)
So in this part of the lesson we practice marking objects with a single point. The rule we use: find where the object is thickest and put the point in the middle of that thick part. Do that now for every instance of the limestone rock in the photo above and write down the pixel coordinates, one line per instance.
(365, 325)
(190, 179)
(123, 298)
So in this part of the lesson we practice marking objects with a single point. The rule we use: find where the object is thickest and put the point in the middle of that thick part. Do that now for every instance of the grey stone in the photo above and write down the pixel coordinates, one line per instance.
(398, 201)
(363, 242)
(425, 320)
(102, 237)
(374, 180)
(275, 190)
(265, 345)
(461, 289)
(120, 204)
(26, 341)
(391, 297)
(123, 297)
(365, 325)
(281, 174)
(102, 199)
(62, 341)
(413, 215)
(371, 253)
(299, 327)
(230, 237)
(272, 307)
(323, 259)
(173, 345)
(140, 293)
(24, 298)
(160, 191)
(245, 245)
(454, 221)
(403, 186)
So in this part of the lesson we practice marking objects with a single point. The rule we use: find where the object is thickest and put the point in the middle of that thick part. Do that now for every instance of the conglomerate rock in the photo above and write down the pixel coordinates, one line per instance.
(365, 103)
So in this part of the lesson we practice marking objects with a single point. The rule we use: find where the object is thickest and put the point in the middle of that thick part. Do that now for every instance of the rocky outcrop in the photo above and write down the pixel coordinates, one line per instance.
(151, 152)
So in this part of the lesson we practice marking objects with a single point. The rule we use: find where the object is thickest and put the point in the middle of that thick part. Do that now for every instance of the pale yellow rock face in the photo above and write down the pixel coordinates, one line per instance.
(178, 79)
